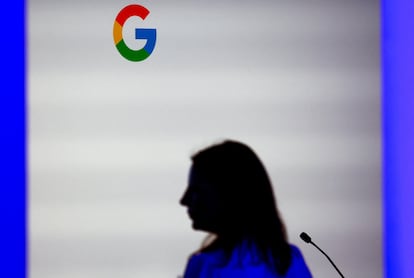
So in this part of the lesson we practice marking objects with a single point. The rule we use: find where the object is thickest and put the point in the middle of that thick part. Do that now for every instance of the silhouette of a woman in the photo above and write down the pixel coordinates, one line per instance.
(230, 196)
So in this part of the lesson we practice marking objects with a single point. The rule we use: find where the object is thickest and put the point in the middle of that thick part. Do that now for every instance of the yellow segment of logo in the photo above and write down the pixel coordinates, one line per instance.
(117, 32)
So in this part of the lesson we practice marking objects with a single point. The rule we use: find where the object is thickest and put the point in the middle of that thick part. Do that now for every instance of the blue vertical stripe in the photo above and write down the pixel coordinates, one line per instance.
(398, 136)
(13, 245)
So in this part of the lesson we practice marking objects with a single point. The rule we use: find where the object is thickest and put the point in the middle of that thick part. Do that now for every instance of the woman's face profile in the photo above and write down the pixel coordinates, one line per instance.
(203, 202)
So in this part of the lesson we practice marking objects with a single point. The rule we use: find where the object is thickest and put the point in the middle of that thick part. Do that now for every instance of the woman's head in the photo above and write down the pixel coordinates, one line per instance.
(230, 193)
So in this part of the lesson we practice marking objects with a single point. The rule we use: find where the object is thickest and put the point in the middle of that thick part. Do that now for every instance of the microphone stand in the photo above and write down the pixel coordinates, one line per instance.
(306, 238)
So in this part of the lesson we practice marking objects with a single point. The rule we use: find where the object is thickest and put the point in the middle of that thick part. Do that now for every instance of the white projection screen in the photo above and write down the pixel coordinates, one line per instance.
(110, 140)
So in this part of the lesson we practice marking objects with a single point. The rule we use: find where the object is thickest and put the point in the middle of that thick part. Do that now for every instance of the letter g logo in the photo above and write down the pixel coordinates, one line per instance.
(150, 35)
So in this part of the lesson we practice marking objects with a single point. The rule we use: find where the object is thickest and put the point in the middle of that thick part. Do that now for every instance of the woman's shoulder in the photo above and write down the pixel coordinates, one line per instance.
(202, 262)
(295, 251)
(298, 266)
(241, 264)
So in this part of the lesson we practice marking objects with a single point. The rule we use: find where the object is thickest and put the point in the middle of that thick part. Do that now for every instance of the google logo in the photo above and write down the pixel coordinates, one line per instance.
(150, 35)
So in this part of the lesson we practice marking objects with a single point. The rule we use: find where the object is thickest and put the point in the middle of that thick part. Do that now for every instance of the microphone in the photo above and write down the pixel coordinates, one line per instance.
(306, 238)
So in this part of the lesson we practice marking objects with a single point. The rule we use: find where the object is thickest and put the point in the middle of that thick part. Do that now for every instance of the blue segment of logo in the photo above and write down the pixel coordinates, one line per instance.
(147, 34)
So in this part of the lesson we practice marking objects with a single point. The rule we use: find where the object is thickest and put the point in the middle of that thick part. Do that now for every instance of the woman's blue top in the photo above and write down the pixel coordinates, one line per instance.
(243, 263)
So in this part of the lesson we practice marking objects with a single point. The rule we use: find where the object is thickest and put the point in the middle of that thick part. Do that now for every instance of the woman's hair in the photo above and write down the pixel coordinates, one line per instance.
(248, 203)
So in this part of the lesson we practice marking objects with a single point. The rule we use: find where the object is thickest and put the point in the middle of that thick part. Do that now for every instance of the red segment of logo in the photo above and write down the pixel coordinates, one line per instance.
(131, 10)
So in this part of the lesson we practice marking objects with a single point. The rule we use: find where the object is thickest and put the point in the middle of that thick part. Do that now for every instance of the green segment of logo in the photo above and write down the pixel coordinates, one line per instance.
(132, 55)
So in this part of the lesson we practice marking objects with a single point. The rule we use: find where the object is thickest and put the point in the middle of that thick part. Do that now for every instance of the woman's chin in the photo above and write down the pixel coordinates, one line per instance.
(196, 226)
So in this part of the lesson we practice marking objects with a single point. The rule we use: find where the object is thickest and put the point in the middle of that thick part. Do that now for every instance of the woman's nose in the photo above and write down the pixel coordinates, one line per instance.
(184, 201)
